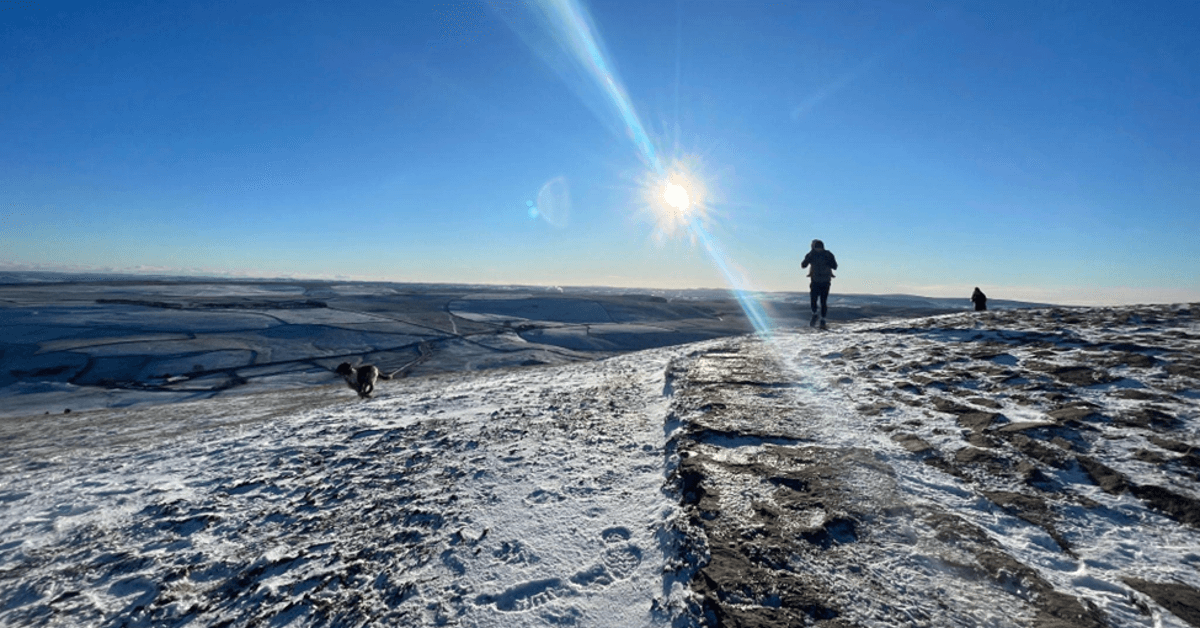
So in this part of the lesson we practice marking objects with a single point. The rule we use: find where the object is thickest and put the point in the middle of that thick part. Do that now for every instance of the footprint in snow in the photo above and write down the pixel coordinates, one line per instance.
(528, 595)
(514, 552)
(619, 560)
(542, 496)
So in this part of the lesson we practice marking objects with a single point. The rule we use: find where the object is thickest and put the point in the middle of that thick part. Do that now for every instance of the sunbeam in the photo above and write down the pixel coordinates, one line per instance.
(738, 284)
(572, 31)
(675, 193)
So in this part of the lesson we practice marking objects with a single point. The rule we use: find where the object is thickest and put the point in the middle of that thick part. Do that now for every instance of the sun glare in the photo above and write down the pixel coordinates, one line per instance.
(676, 196)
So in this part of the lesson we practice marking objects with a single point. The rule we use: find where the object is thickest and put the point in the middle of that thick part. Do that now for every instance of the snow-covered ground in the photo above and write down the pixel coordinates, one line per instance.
(1016, 468)
(1034, 468)
(504, 499)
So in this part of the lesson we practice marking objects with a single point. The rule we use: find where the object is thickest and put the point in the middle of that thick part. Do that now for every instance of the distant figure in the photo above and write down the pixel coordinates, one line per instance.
(362, 379)
(979, 299)
(821, 275)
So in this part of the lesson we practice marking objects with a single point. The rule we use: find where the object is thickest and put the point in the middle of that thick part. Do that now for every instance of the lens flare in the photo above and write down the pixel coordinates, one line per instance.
(563, 33)
(554, 202)
(674, 193)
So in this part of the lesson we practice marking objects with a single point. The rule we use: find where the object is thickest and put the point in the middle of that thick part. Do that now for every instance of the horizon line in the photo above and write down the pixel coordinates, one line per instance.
(197, 274)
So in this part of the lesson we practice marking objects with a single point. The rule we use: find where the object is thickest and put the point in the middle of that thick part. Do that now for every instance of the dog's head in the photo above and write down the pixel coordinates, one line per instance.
(344, 369)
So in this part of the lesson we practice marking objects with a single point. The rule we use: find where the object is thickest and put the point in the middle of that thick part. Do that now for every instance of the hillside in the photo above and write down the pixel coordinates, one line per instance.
(85, 343)
(1015, 468)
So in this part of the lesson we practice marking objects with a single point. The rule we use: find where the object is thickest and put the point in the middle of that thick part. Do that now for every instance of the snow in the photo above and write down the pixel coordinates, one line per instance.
(940, 471)
(1111, 537)
(511, 498)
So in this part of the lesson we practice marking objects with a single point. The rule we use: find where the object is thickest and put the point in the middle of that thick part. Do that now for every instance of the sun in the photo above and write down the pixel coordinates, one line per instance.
(676, 197)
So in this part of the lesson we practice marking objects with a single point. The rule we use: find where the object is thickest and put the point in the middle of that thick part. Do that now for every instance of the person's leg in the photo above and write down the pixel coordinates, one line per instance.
(814, 294)
(824, 300)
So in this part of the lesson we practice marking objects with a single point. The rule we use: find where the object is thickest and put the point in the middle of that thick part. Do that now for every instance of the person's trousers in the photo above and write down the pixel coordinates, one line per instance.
(819, 292)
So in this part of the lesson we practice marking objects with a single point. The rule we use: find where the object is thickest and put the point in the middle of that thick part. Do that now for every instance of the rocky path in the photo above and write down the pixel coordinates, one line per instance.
(960, 474)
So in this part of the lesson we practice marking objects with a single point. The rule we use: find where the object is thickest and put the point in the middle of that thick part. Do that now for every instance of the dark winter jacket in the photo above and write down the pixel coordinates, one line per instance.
(823, 264)
(979, 299)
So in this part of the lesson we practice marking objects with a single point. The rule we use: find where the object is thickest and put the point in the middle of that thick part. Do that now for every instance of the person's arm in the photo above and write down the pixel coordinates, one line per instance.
(804, 264)
(832, 261)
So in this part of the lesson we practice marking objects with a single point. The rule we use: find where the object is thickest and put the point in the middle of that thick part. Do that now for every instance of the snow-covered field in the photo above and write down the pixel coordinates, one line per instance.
(501, 499)
(85, 343)
(1013, 468)
(94, 344)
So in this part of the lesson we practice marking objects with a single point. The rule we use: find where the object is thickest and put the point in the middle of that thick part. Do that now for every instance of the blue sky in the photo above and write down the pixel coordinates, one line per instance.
(1041, 150)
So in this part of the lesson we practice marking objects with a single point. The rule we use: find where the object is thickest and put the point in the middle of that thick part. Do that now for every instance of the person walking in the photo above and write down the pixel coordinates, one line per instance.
(820, 278)
(979, 299)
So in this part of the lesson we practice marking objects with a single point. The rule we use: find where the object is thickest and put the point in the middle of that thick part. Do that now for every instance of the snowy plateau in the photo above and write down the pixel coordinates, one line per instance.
(595, 459)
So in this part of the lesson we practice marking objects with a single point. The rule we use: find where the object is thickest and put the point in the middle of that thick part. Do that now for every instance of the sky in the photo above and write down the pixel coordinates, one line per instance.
(1043, 151)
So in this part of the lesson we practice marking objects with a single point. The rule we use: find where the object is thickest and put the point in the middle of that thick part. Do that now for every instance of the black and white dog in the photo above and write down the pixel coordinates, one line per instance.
(363, 378)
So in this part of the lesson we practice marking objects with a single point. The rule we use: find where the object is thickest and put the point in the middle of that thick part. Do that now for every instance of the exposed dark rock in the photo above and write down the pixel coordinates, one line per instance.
(951, 407)
(1152, 457)
(978, 421)
(1170, 444)
(1185, 369)
(1076, 412)
(1059, 610)
(913, 443)
(1175, 505)
(1039, 451)
(1182, 600)
(1054, 609)
(1016, 502)
(986, 403)
(932, 382)
(1062, 443)
(998, 456)
(973, 455)
(749, 580)
(1126, 347)
(1031, 508)
(1072, 375)
(1180, 507)
(1082, 376)
(1132, 360)
(979, 439)
(1013, 428)
(875, 409)
(1148, 417)
(1033, 476)
(1139, 394)
(1110, 480)
(689, 475)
